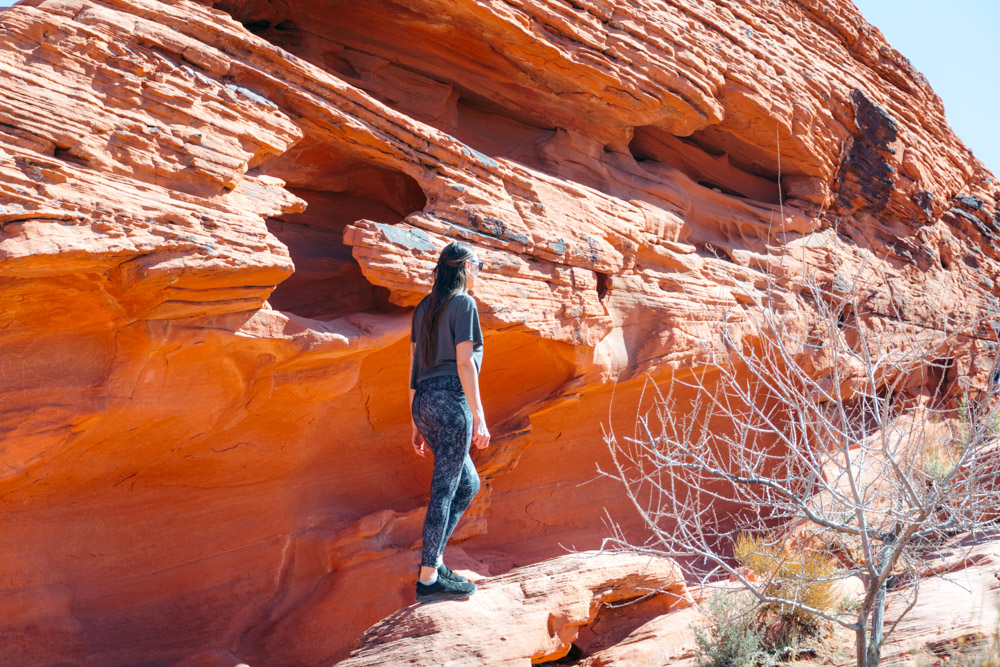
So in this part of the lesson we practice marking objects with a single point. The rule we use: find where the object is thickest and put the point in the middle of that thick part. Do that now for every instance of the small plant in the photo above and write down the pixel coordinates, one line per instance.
(963, 652)
(803, 577)
(731, 638)
(941, 450)
(963, 416)
(850, 604)
(965, 421)
(937, 465)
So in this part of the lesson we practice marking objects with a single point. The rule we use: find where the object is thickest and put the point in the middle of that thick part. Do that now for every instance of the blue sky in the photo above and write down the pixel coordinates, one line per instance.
(957, 46)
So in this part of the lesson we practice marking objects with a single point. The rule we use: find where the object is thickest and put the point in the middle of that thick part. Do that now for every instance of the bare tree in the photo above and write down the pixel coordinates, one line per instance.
(810, 440)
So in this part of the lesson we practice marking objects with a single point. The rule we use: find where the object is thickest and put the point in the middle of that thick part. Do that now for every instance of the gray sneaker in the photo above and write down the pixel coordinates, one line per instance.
(444, 589)
(447, 573)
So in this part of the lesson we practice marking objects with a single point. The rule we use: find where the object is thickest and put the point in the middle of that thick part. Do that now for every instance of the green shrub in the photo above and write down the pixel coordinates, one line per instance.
(731, 638)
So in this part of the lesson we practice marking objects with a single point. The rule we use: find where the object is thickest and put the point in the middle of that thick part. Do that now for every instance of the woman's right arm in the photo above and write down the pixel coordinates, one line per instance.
(470, 385)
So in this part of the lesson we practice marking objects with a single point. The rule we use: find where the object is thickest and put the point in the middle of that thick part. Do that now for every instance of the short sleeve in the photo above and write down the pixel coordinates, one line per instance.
(418, 313)
(465, 323)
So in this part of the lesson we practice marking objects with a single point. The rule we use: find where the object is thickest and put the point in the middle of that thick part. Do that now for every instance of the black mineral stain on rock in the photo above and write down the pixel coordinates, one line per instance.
(518, 237)
(494, 226)
(902, 249)
(866, 179)
(489, 226)
(592, 253)
(969, 202)
(987, 232)
(875, 123)
(962, 214)
(972, 210)
(925, 200)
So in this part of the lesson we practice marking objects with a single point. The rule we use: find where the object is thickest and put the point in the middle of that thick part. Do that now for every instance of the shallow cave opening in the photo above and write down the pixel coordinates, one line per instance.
(401, 58)
(339, 189)
(707, 165)
(708, 249)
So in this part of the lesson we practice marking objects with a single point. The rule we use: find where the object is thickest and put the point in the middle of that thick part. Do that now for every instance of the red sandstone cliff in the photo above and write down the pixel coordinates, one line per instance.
(214, 222)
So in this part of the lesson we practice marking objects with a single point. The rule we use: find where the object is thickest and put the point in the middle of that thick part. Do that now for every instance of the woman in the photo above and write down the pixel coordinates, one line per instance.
(446, 352)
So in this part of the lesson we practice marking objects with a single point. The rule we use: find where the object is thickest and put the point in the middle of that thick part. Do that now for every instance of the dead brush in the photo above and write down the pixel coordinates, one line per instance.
(801, 578)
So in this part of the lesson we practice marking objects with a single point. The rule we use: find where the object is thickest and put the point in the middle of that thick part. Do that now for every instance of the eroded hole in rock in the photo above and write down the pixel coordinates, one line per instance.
(602, 284)
(572, 657)
(708, 165)
(707, 249)
(616, 621)
(257, 27)
(339, 189)
(940, 380)
(846, 317)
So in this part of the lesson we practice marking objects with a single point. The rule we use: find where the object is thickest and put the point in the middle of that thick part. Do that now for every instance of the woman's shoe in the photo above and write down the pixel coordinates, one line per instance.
(447, 573)
(444, 589)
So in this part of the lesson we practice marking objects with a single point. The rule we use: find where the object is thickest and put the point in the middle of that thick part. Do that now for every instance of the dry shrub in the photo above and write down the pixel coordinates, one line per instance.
(803, 577)
(800, 578)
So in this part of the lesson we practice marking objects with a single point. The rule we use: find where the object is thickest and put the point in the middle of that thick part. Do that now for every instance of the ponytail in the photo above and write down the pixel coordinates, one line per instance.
(449, 280)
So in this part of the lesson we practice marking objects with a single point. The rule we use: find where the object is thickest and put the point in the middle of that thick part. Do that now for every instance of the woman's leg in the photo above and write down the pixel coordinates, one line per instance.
(468, 487)
(442, 415)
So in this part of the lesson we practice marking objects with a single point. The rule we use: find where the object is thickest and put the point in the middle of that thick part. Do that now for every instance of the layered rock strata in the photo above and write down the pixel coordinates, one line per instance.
(214, 222)
(958, 608)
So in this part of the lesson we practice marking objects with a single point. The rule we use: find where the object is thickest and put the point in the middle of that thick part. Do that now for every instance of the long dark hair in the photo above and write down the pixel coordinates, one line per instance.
(449, 280)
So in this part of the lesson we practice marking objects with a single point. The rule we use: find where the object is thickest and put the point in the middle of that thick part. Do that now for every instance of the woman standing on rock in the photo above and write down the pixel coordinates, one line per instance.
(446, 352)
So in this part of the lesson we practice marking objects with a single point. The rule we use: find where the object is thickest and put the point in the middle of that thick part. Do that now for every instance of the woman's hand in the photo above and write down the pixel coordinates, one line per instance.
(480, 434)
(417, 441)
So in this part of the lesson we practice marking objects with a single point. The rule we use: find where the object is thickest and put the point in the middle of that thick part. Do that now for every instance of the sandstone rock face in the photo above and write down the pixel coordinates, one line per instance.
(215, 219)
(958, 606)
(531, 615)
(211, 659)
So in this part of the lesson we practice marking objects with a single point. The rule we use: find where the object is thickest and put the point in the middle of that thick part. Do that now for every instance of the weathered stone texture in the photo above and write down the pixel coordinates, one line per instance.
(214, 222)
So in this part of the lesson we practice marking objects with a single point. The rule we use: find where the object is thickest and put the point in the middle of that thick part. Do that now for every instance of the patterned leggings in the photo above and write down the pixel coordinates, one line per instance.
(443, 417)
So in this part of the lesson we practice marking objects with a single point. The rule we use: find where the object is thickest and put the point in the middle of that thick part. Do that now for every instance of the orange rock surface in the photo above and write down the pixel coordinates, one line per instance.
(529, 616)
(215, 219)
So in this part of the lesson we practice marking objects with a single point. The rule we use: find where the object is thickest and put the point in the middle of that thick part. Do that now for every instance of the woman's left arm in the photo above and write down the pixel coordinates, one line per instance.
(469, 378)
(416, 439)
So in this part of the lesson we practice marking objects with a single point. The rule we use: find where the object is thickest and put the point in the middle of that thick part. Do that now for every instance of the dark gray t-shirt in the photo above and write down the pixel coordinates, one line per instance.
(459, 322)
